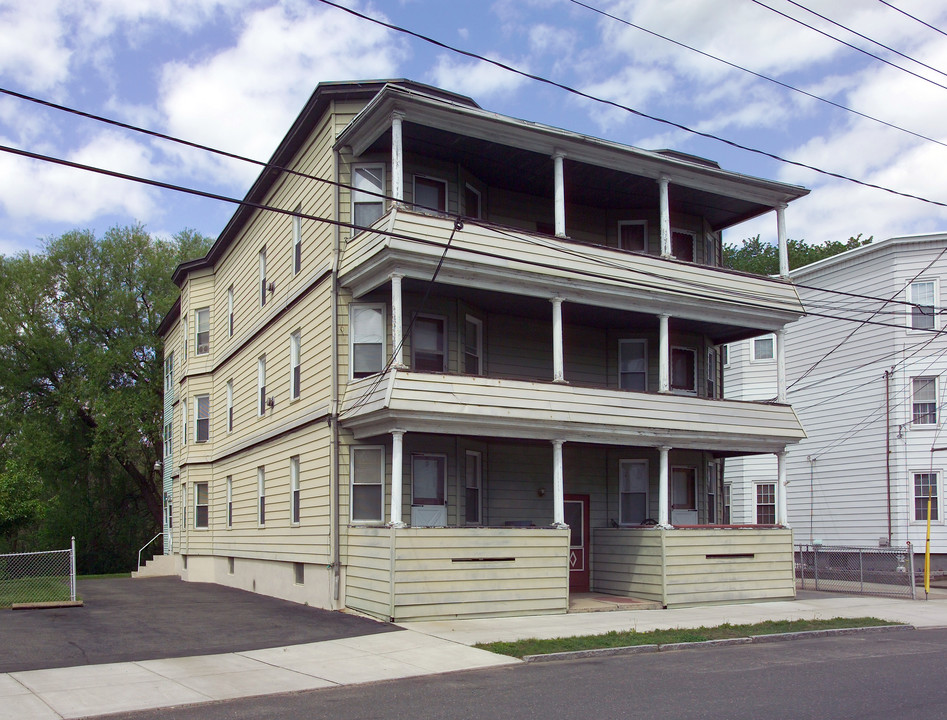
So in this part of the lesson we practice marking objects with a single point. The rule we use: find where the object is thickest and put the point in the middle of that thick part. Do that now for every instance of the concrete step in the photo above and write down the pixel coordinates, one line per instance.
(158, 566)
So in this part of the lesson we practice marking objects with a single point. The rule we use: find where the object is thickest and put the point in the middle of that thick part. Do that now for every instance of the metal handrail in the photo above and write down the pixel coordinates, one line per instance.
(146, 545)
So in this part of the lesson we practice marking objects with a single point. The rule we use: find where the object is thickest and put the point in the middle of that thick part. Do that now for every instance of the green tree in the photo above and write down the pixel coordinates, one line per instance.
(755, 256)
(81, 387)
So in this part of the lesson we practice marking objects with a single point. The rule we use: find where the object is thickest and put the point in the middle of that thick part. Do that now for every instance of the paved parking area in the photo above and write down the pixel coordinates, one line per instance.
(155, 618)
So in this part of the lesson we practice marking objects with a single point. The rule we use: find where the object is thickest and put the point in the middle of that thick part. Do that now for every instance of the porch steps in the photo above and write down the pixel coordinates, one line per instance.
(597, 602)
(158, 566)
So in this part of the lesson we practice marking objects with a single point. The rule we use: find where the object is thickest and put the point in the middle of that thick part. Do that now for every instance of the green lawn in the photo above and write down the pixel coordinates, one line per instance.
(664, 637)
(33, 589)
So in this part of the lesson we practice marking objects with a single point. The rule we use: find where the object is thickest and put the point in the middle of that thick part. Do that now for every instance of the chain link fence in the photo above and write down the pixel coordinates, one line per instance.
(38, 577)
(857, 570)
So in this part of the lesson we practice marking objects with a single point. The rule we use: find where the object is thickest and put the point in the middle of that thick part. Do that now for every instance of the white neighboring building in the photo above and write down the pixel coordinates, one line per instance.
(872, 409)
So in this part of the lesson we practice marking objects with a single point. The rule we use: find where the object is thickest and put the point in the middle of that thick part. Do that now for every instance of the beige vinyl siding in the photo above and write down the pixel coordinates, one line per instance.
(673, 567)
(439, 573)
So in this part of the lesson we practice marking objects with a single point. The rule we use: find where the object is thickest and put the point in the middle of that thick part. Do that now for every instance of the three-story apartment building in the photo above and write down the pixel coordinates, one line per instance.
(444, 362)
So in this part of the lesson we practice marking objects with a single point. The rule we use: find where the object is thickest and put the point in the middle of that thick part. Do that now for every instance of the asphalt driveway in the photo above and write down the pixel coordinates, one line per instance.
(151, 618)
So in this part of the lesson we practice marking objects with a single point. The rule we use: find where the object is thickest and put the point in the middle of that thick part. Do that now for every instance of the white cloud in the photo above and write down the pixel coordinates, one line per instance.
(632, 87)
(243, 98)
(476, 78)
(33, 48)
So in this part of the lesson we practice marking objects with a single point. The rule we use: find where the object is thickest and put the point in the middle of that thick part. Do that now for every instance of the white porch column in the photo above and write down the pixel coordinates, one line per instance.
(558, 363)
(665, 217)
(560, 196)
(664, 489)
(780, 366)
(558, 494)
(397, 468)
(397, 331)
(664, 355)
(397, 157)
(783, 241)
(782, 512)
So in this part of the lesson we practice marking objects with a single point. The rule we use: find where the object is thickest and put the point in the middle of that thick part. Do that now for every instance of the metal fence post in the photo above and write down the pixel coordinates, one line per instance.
(911, 571)
(815, 564)
(861, 572)
(72, 570)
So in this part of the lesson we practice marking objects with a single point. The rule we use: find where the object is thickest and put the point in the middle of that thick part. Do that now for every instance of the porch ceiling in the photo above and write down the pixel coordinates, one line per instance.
(471, 405)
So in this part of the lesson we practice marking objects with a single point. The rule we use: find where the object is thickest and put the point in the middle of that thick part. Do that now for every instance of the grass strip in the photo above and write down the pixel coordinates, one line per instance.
(626, 638)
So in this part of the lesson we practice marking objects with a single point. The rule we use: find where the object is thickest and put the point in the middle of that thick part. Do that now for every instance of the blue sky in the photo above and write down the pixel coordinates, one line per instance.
(234, 74)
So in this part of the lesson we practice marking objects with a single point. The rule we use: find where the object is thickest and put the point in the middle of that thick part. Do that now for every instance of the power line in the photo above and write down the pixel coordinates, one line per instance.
(808, 94)
(848, 44)
(639, 113)
(916, 19)
(865, 37)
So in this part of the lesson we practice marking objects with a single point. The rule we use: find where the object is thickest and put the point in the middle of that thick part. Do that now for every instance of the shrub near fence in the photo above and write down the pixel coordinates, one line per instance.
(34, 577)
(856, 570)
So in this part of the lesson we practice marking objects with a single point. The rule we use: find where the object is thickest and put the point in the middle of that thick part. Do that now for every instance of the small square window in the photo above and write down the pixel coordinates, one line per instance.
(430, 193)
(764, 348)
(633, 235)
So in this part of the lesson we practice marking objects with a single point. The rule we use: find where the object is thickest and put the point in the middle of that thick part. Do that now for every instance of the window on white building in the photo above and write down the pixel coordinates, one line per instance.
(766, 503)
(368, 483)
(924, 401)
(764, 348)
(925, 486)
(368, 182)
(923, 306)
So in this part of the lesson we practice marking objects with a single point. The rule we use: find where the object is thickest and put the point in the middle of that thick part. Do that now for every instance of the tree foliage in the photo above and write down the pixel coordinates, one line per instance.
(81, 390)
(755, 256)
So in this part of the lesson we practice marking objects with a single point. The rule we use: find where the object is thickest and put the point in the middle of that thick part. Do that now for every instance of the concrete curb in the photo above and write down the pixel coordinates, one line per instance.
(706, 644)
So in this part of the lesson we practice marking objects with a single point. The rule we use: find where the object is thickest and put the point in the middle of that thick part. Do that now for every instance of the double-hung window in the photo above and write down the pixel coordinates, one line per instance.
(765, 503)
(727, 489)
(925, 486)
(711, 372)
(262, 262)
(684, 369)
(202, 418)
(261, 496)
(294, 495)
(297, 241)
(169, 373)
(682, 245)
(294, 361)
(633, 235)
(473, 346)
(261, 385)
(229, 501)
(367, 337)
(368, 182)
(430, 193)
(202, 331)
(473, 481)
(632, 492)
(201, 506)
(230, 311)
(923, 308)
(924, 405)
(368, 483)
(712, 493)
(764, 348)
(429, 344)
(230, 406)
(633, 364)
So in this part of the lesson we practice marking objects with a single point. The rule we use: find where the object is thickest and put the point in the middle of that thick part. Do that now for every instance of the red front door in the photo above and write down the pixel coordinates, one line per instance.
(577, 518)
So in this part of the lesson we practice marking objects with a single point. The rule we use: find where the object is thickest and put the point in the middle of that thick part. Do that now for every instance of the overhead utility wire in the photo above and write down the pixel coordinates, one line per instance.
(916, 19)
(242, 158)
(761, 76)
(639, 113)
(865, 37)
(848, 44)
(388, 233)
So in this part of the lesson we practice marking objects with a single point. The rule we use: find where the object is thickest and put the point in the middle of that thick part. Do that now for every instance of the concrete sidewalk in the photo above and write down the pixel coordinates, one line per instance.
(421, 649)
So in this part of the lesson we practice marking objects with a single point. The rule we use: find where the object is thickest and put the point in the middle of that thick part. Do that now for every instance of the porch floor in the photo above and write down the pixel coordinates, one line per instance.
(598, 602)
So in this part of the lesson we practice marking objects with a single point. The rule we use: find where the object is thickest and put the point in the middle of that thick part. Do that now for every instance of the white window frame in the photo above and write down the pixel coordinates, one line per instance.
(297, 247)
(442, 457)
(295, 496)
(692, 390)
(202, 320)
(633, 341)
(198, 505)
(359, 194)
(937, 513)
(756, 503)
(935, 293)
(713, 472)
(712, 373)
(261, 496)
(198, 399)
(441, 319)
(230, 311)
(352, 331)
(261, 386)
(169, 373)
(727, 504)
(478, 323)
(693, 237)
(230, 406)
(262, 262)
(229, 501)
(725, 355)
(470, 188)
(433, 180)
(696, 483)
(647, 490)
(168, 440)
(473, 459)
(353, 481)
(710, 250)
(627, 223)
(914, 403)
(295, 374)
(754, 357)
